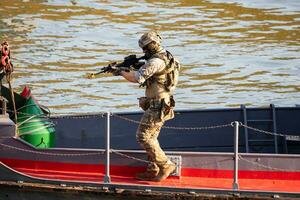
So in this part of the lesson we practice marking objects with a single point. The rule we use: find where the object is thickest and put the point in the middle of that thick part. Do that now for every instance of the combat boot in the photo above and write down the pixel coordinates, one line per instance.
(147, 175)
(151, 172)
(165, 171)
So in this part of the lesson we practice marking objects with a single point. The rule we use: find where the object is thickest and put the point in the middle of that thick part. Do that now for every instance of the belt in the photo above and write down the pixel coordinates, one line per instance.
(166, 96)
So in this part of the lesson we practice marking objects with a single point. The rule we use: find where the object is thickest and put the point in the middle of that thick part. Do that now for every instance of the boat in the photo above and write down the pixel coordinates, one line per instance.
(229, 152)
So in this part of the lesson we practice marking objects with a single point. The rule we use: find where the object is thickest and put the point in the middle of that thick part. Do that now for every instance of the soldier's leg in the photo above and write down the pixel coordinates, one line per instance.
(142, 137)
(147, 134)
(166, 167)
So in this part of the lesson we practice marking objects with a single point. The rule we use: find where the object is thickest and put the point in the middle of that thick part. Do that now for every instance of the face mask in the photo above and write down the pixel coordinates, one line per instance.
(148, 54)
(151, 49)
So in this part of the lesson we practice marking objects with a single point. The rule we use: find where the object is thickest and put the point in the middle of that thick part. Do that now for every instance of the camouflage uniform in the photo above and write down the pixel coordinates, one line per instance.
(158, 105)
(152, 121)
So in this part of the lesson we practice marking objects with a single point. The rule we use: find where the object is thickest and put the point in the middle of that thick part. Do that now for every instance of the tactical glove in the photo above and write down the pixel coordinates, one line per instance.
(116, 72)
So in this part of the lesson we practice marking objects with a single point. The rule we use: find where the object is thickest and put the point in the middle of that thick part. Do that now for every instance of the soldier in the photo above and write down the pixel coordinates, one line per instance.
(160, 76)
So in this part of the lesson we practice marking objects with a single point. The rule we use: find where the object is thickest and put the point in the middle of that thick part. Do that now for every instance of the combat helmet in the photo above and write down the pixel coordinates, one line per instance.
(149, 37)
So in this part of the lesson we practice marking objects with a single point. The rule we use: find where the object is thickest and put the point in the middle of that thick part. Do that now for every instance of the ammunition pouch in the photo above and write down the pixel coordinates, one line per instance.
(144, 103)
(167, 111)
(162, 106)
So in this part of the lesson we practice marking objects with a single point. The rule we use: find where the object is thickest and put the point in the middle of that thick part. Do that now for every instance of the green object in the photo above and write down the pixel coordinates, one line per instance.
(34, 127)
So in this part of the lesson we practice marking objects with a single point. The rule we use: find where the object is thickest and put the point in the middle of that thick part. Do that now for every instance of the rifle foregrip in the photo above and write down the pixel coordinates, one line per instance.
(138, 65)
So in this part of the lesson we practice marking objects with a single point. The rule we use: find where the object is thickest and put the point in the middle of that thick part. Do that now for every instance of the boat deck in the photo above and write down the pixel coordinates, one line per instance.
(182, 182)
(120, 175)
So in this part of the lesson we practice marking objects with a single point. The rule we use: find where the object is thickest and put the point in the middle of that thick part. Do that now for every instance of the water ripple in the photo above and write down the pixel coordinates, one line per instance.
(232, 52)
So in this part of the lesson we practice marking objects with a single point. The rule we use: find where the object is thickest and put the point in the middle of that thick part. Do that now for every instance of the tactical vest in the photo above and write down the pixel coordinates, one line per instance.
(163, 83)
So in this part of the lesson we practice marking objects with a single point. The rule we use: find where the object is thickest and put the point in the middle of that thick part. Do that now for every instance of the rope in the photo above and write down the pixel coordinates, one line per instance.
(28, 119)
(269, 133)
(294, 137)
(50, 154)
(27, 106)
(27, 114)
(35, 130)
(130, 157)
(78, 115)
(148, 162)
(8, 79)
(46, 124)
(176, 128)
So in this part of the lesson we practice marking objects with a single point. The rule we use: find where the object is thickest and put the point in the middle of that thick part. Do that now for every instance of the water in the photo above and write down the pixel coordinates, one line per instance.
(232, 52)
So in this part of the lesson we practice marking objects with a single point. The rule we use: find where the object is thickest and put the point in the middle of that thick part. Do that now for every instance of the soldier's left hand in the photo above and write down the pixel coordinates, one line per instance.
(116, 72)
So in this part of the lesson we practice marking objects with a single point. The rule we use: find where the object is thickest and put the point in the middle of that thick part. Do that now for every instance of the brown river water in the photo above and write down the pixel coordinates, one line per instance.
(232, 52)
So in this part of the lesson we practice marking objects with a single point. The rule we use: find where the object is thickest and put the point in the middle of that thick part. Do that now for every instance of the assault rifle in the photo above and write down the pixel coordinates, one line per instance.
(130, 62)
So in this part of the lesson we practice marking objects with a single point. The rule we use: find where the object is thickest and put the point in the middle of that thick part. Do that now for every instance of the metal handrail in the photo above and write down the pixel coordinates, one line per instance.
(107, 150)
(235, 184)
(238, 157)
(236, 124)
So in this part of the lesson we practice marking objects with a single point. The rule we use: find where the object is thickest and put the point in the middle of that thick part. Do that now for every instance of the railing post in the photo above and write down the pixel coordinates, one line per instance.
(107, 151)
(4, 105)
(236, 156)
